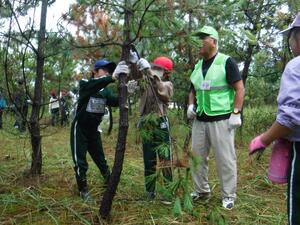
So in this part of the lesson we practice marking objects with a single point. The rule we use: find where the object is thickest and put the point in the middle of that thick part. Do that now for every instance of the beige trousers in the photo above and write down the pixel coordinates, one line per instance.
(218, 136)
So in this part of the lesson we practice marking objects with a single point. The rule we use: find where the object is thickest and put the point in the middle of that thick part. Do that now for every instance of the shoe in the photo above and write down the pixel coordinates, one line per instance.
(228, 203)
(196, 196)
(166, 201)
(85, 196)
(149, 196)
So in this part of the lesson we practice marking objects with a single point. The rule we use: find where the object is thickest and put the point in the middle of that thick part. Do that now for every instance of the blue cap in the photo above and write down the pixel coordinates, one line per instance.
(102, 63)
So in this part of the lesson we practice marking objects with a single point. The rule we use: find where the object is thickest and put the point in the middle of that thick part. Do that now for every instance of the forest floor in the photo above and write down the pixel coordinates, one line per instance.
(52, 197)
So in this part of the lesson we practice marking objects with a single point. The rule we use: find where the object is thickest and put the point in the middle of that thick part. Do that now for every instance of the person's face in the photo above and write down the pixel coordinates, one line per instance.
(294, 42)
(99, 73)
(167, 75)
(208, 46)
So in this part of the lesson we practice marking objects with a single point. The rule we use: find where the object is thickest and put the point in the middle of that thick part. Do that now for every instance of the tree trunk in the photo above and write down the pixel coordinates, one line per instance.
(36, 139)
(247, 63)
(110, 192)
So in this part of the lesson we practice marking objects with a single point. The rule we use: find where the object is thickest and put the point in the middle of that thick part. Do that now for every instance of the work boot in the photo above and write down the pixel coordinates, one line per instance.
(149, 196)
(166, 200)
(83, 189)
(85, 195)
(204, 196)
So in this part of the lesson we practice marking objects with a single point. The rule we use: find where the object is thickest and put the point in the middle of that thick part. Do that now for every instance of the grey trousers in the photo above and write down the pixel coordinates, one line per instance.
(218, 136)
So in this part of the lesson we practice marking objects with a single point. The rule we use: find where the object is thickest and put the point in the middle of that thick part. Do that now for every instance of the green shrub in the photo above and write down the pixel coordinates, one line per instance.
(256, 120)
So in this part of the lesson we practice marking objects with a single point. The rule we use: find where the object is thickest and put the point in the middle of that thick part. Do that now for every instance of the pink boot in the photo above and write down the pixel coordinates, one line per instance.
(279, 164)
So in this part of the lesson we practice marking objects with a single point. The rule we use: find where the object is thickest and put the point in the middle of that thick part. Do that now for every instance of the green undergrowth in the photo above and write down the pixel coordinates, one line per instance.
(52, 197)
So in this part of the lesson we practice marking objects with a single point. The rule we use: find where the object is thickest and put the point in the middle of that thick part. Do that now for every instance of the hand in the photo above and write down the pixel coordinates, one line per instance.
(235, 121)
(121, 68)
(143, 64)
(191, 114)
(257, 146)
(133, 57)
(132, 86)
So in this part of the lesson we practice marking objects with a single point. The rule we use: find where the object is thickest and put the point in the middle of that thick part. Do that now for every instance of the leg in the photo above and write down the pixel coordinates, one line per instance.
(24, 118)
(56, 121)
(149, 156)
(79, 147)
(164, 150)
(52, 118)
(96, 151)
(293, 199)
(222, 139)
(200, 147)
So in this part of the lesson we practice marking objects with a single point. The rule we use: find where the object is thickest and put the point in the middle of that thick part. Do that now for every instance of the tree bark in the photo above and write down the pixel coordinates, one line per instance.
(34, 128)
(110, 192)
(247, 63)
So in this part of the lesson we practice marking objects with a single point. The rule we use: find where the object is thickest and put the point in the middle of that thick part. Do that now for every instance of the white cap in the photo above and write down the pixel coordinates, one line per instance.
(295, 23)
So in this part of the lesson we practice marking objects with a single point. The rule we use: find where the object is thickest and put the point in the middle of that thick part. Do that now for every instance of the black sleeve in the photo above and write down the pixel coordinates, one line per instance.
(232, 71)
(88, 88)
(112, 100)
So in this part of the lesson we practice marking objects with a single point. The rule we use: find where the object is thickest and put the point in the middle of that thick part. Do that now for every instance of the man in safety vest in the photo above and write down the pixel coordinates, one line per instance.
(215, 102)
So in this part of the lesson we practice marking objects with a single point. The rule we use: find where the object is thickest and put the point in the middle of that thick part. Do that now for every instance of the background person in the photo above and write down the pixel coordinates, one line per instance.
(64, 108)
(21, 101)
(287, 124)
(215, 101)
(54, 108)
(3, 105)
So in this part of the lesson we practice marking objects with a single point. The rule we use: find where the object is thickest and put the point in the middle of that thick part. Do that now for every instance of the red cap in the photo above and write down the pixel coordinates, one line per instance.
(164, 62)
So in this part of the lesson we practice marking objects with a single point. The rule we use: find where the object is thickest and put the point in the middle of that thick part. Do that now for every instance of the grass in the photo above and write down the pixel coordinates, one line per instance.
(52, 198)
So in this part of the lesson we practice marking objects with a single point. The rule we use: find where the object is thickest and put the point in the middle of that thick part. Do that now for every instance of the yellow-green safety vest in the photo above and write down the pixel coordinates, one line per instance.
(213, 94)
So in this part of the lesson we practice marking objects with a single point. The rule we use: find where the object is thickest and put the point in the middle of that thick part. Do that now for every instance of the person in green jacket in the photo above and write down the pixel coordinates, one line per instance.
(94, 95)
(215, 101)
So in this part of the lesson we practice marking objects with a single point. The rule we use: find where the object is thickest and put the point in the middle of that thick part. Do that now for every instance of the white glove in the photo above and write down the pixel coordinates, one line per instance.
(133, 57)
(191, 114)
(121, 68)
(132, 86)
(143, 64)
(235, 121)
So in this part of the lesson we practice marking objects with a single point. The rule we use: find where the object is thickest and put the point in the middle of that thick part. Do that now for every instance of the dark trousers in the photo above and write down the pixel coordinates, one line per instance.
(156, 144)
(293, 200)
(21, 118)
(54, 116)
(85, 140)
(64, 117)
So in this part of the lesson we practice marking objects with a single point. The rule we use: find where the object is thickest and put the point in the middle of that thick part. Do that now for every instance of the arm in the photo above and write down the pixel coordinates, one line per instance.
(192, 95)
(88, 88)
(239, 94)
(234, 78)
(164, 89)
(288, 115)
(274, 132)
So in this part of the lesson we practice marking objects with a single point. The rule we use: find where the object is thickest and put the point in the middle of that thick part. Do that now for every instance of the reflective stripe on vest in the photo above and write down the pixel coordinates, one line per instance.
(213, 94)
